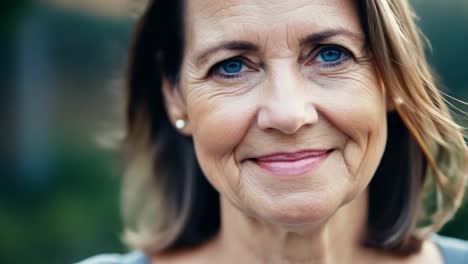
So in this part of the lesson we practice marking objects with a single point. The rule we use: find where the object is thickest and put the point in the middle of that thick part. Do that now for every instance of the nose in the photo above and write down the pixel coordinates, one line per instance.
(286, 103)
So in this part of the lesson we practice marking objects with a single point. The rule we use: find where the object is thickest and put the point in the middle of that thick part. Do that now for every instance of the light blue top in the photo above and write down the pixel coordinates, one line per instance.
(454, 251)
(135, 257)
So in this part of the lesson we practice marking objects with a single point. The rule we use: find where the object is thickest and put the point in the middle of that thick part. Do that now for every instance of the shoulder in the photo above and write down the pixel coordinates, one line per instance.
(453, 250)
(135, 257)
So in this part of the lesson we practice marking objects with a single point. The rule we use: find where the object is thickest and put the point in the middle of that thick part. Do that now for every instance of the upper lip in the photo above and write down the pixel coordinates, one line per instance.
(291, 156)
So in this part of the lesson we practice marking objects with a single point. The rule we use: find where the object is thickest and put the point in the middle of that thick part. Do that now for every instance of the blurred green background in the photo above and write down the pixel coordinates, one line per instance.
(61, 86)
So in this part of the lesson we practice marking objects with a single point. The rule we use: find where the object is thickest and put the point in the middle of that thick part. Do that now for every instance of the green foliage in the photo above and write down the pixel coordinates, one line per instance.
(74, 215)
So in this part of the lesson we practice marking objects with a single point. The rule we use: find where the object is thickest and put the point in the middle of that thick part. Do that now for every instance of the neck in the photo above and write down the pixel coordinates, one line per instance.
(245, 239)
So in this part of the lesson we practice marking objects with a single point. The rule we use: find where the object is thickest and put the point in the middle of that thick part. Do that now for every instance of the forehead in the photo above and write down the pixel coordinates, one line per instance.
(266, 21)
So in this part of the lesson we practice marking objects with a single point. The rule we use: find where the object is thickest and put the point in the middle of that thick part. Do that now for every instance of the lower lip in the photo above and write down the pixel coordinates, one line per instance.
(292, 168)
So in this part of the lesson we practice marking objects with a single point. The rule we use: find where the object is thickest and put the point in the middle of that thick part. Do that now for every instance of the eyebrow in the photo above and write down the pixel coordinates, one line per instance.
(227, 45)
(319, 36)
(249, 46)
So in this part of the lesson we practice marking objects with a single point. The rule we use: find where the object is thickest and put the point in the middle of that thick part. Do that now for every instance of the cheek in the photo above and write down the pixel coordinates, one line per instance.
(359, 111)
(367, 136)
(219, 122)
(219, 125)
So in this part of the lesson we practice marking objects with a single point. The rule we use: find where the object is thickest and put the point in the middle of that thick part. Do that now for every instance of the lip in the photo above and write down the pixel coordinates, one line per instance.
(288, 164)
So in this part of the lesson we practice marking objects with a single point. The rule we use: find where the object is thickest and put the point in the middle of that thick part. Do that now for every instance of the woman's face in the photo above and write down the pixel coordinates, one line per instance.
(284, 105)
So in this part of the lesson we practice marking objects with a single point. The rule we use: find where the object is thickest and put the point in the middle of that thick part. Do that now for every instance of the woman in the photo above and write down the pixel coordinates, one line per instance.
(287, 132)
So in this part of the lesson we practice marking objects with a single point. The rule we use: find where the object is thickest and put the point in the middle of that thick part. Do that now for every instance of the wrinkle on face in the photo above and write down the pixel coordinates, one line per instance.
(224, 113)
(264, 25)
(276, 8)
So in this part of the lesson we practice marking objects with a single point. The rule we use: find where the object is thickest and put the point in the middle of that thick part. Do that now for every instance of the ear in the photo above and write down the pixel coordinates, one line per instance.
(175, 105)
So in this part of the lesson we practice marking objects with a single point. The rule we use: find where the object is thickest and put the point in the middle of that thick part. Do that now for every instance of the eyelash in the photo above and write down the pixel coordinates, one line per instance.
(345, 56)
(336, 65)
(217, 66)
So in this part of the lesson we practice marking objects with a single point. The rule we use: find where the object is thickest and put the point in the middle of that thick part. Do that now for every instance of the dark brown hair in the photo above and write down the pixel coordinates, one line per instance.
(167, 205)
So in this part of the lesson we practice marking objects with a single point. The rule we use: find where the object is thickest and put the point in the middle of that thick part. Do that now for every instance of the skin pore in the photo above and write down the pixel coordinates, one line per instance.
(261, 77)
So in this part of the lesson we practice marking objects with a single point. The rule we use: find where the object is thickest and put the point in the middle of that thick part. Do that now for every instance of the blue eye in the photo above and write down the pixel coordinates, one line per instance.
(232, 66)
(330, 54)
(230, 69)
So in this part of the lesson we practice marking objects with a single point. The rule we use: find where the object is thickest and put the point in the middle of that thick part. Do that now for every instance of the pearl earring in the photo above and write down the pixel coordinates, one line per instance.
(180, 123)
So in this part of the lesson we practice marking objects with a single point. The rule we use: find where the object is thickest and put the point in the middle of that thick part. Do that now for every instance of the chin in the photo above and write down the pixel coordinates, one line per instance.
(301, 201)
(302, 209)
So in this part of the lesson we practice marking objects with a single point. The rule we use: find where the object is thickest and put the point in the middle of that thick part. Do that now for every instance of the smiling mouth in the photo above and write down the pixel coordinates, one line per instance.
(287, 164)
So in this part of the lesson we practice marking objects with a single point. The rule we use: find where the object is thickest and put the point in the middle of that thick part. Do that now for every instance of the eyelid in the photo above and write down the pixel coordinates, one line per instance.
(247, 63)
(317, 49)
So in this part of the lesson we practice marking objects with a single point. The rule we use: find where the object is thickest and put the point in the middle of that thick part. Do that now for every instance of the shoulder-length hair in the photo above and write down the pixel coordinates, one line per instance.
(420, 182)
